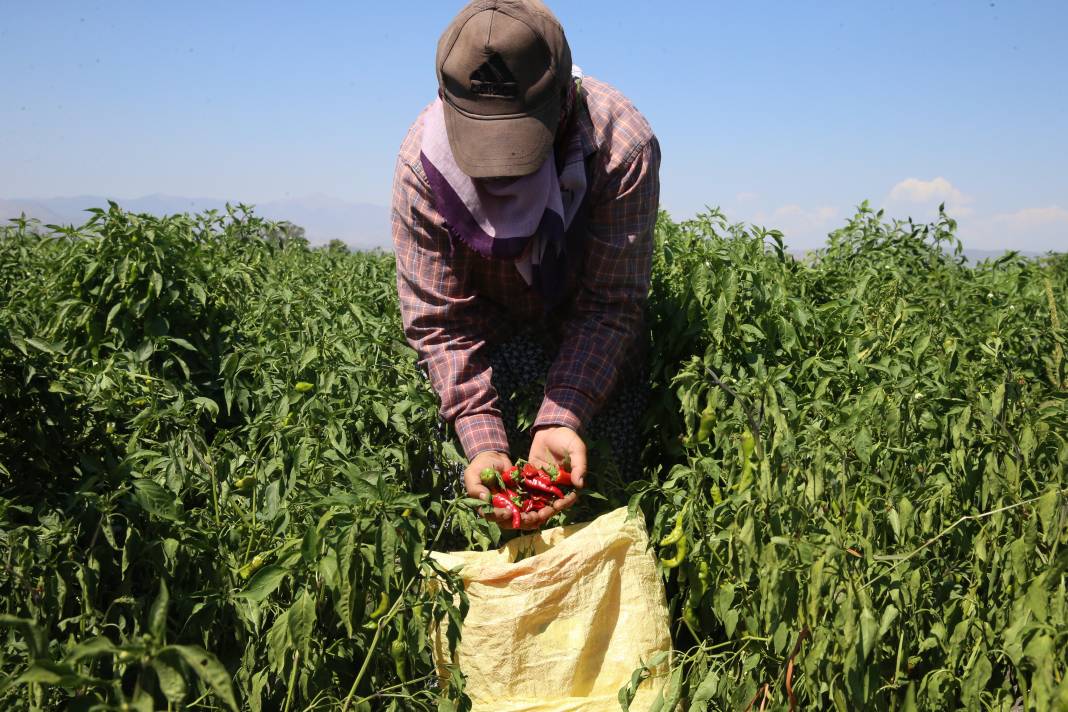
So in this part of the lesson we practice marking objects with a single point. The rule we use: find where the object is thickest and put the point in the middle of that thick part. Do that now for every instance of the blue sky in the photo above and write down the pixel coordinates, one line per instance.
(787, 114)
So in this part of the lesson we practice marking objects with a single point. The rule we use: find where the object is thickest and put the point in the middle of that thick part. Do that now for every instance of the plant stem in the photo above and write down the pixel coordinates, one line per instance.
(252, 528)
(211, 473)
(901, 558)
(394, 609)
(292, 680)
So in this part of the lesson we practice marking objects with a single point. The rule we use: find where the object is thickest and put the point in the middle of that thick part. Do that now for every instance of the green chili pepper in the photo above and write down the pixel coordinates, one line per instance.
(252, 566)
(490, 477)
(697, 592)
(689, 615)
(680, 554)
(675, 534)
(748, 444)
(399, 652)
(704, 428)
(383, 604)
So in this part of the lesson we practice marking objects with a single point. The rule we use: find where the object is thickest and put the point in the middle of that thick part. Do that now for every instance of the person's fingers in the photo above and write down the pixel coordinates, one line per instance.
(479, 491)
(498, 514)
(475, 488)
(578, 466)
(473, 485)
(473, 473)
(568, 500)
(539, 454)
(538, 518)
(541, 463)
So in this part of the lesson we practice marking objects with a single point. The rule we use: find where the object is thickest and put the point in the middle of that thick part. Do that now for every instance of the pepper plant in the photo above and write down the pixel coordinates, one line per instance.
(222, 470)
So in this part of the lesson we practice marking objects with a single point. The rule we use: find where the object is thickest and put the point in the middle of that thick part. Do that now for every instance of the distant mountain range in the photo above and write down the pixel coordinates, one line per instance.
(361, 225)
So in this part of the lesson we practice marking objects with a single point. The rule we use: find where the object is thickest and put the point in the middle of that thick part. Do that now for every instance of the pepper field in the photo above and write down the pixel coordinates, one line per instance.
(221, 471)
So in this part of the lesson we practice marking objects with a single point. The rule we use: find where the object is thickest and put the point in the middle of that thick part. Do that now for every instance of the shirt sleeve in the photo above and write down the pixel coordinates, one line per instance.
(609, 307)
(444, 321)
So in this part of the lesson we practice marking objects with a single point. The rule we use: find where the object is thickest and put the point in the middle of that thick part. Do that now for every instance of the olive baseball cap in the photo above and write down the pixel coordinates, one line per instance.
(503, 68)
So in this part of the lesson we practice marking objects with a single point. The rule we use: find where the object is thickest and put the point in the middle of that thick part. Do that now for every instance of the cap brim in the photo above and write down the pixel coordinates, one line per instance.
(491, 147)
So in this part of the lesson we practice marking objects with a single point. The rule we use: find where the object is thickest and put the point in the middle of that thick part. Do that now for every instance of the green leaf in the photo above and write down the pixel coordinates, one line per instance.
(91, 648)
(302, 620)
(862, 445)
(168, 669)
(210, 671)
(997, 400)
(730, 622)
(869, 631)
(1040, 650)
(41, 345)
(1047, 511)
(154, 499)
(209, 405)
(381, 412)
(157, 614)
(309, 548)
(46, 672)
(753, 331)
(309, 355)
(705, 691)
(263, 583)
(975, 682)
(182, 343)
(890, 614)
(279, 641)
(36, 641)
(673, 690)
(145, 350)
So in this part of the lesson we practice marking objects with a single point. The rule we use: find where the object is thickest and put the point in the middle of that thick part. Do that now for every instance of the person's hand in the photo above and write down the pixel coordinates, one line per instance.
(553, 445)
(473, 482)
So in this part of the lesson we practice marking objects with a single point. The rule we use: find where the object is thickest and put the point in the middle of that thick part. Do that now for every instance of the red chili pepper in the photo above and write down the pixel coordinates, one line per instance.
(542, 485)
(516, 498)
(560, 476)
(509, 476)
(529, 470)
(538, 503)
(528, 506)
(500, 500)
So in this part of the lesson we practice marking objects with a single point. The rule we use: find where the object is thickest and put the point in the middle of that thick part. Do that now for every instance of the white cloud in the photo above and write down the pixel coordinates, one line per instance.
(929, 194)
(1032, 218)
(745, 197)
(1037, 229)
(803, 228)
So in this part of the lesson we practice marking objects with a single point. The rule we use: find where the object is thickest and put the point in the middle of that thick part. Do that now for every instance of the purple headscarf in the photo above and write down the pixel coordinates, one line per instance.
(522, 219)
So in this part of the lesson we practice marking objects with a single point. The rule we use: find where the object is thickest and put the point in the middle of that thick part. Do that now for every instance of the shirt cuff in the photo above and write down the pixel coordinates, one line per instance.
(565, 406)
(481, 432)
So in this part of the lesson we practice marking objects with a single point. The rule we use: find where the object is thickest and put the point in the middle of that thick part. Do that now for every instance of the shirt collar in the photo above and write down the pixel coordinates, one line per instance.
(584, 127)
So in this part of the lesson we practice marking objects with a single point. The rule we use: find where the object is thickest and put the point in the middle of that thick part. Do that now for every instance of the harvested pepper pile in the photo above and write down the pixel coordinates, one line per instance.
(524, 487)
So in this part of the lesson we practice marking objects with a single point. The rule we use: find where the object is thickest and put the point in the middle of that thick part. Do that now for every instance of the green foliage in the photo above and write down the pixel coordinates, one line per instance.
(221, 471)
(897, 538)
(147, 366)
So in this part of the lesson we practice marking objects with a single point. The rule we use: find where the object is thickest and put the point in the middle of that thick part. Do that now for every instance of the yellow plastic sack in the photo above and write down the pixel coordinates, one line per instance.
(561, 630)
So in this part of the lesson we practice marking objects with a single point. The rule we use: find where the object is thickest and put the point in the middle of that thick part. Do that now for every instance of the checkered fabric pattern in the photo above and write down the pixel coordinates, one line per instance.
(455, 304)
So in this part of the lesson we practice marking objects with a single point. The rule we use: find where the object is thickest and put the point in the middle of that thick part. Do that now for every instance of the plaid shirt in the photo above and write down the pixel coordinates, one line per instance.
(455, 303)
